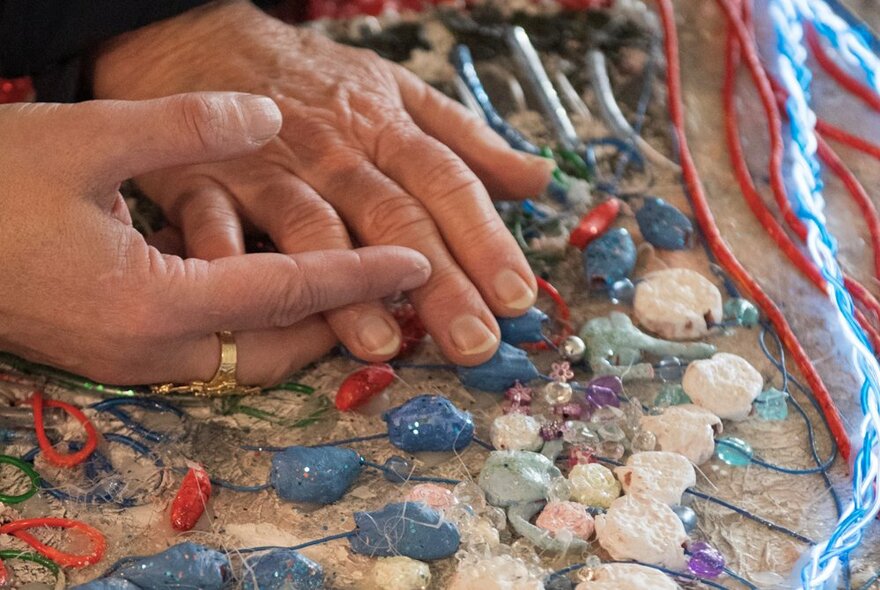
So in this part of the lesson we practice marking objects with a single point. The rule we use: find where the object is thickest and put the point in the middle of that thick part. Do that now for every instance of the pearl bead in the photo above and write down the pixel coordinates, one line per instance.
(557, 392)
(593, 484)
(401, 573)
(516, 432)
(573, 349)
(687, 517)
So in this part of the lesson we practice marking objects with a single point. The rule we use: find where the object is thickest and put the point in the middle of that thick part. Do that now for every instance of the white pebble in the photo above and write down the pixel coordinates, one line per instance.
(643, 530)
(687, 429)
(501, 572)
(516, 432)
(725, 384)
(628, 576)
(658, 475)
(400, 573)
(676, 303)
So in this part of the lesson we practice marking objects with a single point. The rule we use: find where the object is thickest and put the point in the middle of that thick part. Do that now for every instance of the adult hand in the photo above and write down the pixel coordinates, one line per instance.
(83, 291)
(365, 147)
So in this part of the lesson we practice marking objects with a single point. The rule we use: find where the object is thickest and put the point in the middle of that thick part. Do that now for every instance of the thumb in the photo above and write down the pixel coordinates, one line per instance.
(111, 141)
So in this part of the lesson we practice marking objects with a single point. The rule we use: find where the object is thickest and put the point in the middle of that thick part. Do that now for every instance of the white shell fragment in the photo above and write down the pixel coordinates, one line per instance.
(643, 530)
(400, 573)
(676, 303)
(593, 484)
(628, 576)
(516, 432)
(501, 572)
(725, 384)
(687, 429)
(657, 475)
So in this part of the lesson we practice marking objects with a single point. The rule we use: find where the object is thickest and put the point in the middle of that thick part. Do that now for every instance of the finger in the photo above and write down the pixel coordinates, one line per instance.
(506, 172)
(380, 212)
(123, 139)
(299, 220)
(167, 240)
(210, 224)
(457, 201)
(258, 291)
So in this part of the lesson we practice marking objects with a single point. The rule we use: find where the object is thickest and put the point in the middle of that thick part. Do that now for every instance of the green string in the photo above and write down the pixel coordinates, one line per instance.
(32, 557)
(27, 470)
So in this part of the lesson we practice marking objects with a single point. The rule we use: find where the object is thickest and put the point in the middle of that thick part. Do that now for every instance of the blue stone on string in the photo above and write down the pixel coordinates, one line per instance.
(316, 475)
(609, 258)
(107, 584)
(733, 451)
(411, 529)
(282, 569)
(429, 423)
(664, 226)
(186, 565)
(523, 329)
(501, 372)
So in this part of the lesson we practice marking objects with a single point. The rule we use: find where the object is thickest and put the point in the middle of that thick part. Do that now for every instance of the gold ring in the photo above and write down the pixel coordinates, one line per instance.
(223, 382)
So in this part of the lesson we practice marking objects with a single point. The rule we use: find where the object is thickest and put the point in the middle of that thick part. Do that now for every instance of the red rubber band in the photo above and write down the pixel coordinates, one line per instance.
(854, 86)
(18, 528)
(49, 452)
(562, 316)
(834, 133)
(721, 251)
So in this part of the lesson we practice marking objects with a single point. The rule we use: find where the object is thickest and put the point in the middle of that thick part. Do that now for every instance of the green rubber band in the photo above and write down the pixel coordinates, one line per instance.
(297, 387)
(27, 470)
(50, 565)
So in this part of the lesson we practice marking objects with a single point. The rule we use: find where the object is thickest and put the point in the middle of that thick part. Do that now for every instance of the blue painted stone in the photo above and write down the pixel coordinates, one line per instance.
(187, 565)
(282, 569)
(317, 475)
(664, 226)
(107, 584)
(609, 258)
(429, 423)
(411, 529)
(523, 329)
(501, 372)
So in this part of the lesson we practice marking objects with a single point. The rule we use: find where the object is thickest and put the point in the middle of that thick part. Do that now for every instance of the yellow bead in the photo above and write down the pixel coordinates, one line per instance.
(593, 484)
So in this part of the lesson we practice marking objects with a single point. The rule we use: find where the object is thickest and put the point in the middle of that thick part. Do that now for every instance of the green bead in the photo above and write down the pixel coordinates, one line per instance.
(671, 394)
(772, 404)
(741, 311)
(733, 451)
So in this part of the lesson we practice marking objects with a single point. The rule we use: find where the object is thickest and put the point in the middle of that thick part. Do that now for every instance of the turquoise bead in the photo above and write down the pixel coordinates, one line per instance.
(772, 404)
(741, 312)
(671, 394)
(733, 451)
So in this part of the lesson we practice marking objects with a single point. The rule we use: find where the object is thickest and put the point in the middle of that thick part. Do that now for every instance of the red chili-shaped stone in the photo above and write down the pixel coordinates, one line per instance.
(595, 223)
(192, 498)
(411, 329)
(362, 385)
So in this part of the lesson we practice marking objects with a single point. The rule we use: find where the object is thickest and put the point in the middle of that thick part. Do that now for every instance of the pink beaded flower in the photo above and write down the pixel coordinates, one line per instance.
(561, 372)
(519, 394)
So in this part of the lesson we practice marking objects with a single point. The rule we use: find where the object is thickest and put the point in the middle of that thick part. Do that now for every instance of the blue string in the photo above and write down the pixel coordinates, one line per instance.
(400, 478)
(111, 406)
(320, 541)
(344, 441)
(680, 575)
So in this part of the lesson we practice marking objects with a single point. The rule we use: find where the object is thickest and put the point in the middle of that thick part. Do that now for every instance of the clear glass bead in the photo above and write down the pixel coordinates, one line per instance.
(622, 292)
(611, 432)
(470, 494)
(669, 369)
(559, 490)
(610, 449)
(643, 441)
(397, 469)
(497, 517)
(608, 414)
(557, 392)
(671, 394)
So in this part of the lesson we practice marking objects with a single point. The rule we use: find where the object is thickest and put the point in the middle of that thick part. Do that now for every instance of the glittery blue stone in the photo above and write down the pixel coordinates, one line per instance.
(772, 404)
(523, 329)
(187, 565)
(609, 258)
(664, 226)
(411, 529)
(317, 475)
(107, 584)
(282, 569)
(429, 423)
(501, 372)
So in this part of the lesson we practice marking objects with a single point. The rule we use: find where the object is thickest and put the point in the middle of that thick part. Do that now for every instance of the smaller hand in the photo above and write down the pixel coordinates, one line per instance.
(82, 289)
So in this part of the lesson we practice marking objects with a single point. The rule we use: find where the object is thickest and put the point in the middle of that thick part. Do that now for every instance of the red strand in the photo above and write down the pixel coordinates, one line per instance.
(49, 452)
(855, 87)
(562, 316)
(18, 529)
(839, 135)
(721, 251)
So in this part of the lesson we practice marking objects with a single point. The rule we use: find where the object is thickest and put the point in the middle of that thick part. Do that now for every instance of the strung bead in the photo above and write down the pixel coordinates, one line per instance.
(516, 432)
(569, 411)
(671, 394)
(611, 432)
(609, 259)
(669, 369)
(557, 392)
(611, 450)
(687, 517)
(559, 490)
(734, 451)
(580, 433)
(664, 226)
(470, 494)
(552, 430)
(725, 384)
(593, 484)
(741, 312)
(705, 561)
(573, 349)
(622, 292)
(512, 477)
(400, 573)
(397, 469)
(772, 404)
(608, 414)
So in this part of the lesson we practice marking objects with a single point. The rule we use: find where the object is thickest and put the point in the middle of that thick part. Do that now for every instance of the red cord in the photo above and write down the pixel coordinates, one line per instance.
(855, 87)
(49, 452)
(839, 135)
(753, 198)
(562, 316)
(18, 528)
(722, 252)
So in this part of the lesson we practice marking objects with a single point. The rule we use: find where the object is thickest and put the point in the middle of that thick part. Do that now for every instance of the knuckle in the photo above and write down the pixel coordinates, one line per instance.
(392, 140)
(202, 119)
(450, 180)
(311, 224)
(396, 219)
(294, 297)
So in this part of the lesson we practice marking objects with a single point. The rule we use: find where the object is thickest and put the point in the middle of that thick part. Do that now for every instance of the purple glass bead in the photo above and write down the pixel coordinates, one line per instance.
(599, 397)
(551, 430)
(705, 561)
(611, 382)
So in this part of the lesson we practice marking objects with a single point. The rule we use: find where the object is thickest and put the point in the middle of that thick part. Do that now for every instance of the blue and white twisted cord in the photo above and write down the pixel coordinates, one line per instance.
(788, 17)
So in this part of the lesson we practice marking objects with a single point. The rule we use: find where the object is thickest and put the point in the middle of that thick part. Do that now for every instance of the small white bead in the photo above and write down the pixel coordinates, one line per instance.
(516, 432)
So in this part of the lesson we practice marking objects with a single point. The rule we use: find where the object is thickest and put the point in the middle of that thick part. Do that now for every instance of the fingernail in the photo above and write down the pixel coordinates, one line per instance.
(513, 290)
(261, 116)
(471, 336)
(377, 336)
(420, 274)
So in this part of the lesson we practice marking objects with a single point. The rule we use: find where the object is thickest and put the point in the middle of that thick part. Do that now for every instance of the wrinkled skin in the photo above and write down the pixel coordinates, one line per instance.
(367, 154)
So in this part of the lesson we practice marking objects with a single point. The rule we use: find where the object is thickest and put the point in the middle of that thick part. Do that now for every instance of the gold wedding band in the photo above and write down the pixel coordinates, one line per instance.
(223, 382)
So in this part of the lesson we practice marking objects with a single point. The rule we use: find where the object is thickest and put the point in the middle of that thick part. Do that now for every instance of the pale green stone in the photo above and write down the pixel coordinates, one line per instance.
(513, 477)
(741, 311)
(772, 404)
